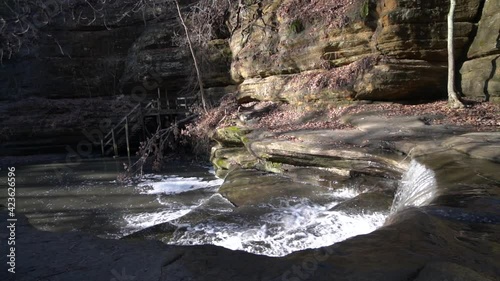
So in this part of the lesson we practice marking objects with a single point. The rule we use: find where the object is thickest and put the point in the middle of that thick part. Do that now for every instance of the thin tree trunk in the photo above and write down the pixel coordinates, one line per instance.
(453, 99)
(198, 73)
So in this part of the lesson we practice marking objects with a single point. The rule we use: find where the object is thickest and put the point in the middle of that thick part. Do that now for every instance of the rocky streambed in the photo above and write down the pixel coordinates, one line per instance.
(442, 225)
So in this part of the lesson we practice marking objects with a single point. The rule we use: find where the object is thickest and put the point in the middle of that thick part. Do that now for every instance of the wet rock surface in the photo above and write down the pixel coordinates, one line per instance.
(252, 187)
(366, 203)
(448, 271)
(477, 145)
(453, 236)
(161, 232)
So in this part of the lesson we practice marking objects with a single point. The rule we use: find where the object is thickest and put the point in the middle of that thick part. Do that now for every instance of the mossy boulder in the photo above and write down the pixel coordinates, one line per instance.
(273, 167)
(230, 136)
(226, 158)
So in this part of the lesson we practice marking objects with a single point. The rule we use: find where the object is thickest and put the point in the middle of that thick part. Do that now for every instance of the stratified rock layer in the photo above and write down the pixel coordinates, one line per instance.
(480, 74)
(398, 49)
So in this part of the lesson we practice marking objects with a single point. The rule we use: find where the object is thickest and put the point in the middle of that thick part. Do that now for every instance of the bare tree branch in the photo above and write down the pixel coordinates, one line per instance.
(198, 73)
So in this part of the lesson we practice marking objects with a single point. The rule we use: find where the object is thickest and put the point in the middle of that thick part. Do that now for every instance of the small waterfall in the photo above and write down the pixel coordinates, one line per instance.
(417, 187)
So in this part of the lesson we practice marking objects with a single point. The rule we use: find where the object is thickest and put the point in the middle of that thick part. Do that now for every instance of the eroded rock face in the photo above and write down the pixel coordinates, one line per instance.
(77, 59)
(270, 44)
(397, 50)
(481, 78)
(480, 74)
(486, 41)
(413, 39)
(401, 44)
(73, 58)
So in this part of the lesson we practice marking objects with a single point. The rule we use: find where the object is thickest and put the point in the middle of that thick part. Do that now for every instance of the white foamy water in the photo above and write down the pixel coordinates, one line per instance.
(291, 226)
(138, 221)
(174, 185)
(278, 229)
(166, 187)
(345, 193)
(417, 187)
(284, 230)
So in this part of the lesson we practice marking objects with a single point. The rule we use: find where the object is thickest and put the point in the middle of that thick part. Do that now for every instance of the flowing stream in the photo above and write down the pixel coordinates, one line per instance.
(86, 197)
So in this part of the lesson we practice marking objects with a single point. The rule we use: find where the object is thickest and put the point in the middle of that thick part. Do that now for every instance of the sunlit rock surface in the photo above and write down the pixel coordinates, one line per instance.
(400, 47)
(480, 73)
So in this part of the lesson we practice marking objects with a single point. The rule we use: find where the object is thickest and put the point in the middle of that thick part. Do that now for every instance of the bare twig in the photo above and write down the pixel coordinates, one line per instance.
(198, 73)
(155, 146)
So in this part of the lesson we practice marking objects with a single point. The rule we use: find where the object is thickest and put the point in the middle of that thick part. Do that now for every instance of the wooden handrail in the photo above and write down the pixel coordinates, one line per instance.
(125, 118)
(150, 108)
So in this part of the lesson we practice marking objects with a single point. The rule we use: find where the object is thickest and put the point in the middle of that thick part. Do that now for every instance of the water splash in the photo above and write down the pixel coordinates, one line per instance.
(290, 227)
(136, 222)
(276, 228)
(417, 187)
(164, 187)
(174, 184)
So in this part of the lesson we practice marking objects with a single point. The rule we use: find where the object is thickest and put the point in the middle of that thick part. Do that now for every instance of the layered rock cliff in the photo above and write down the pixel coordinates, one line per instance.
(376, 50)
(277, 50)
(286, 50)
(92, 62)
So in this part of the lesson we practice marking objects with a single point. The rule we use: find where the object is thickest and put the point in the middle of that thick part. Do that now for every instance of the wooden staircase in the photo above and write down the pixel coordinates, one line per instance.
(134, 125)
